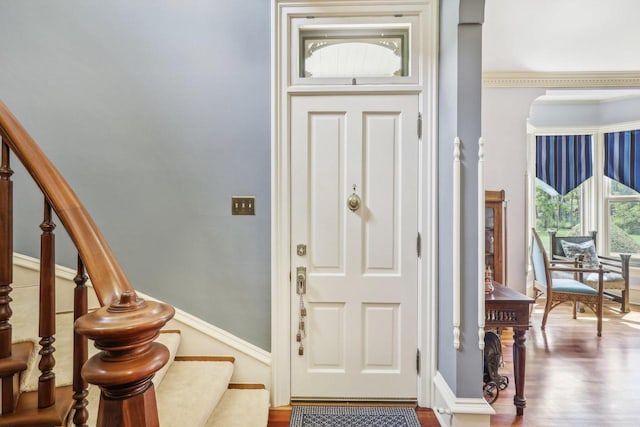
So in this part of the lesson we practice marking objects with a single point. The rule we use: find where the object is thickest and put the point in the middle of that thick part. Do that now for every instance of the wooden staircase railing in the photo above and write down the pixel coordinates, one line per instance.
(123, 328)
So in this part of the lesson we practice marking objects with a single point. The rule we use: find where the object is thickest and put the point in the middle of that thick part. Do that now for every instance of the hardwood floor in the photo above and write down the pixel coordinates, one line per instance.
(572, 378)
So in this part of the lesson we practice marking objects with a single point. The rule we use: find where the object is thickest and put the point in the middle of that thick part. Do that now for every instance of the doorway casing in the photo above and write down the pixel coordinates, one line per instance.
(424, 15)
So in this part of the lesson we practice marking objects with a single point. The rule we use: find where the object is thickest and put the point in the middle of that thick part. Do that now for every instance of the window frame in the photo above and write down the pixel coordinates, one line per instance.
(303, 24)
(595, 192)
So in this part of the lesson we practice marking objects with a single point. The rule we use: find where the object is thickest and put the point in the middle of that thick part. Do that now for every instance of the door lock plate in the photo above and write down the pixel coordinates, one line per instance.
(301, 280)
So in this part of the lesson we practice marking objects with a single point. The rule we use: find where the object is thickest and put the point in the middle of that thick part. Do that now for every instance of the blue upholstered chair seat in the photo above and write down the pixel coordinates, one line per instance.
(572, 286)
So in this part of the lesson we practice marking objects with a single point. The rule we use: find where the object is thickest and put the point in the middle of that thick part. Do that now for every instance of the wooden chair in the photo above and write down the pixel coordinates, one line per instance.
(617, 277)
(559, 290)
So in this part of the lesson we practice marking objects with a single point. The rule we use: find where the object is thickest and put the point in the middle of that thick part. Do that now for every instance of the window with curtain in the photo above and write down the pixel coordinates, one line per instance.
(622, 191)
(563, 163)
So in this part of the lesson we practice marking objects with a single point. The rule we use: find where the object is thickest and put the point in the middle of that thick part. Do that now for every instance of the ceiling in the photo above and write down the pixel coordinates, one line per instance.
(561, 35)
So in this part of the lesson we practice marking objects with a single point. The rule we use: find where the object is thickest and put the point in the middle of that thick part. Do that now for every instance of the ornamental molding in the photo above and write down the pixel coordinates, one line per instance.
(599, 79)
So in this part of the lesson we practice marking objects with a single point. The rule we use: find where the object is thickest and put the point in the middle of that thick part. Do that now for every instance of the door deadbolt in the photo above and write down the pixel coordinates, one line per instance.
(301, 250)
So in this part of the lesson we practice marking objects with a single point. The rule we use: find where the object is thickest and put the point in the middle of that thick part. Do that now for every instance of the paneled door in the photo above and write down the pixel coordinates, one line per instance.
(354, 225)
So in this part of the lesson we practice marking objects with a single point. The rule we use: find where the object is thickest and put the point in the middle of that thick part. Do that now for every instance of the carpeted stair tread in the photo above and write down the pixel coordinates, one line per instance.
(241, 408)
(63, 355)
(171, 340)
(190, 392)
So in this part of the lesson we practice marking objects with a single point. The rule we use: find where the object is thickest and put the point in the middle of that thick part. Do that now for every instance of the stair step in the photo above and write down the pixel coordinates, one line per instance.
(17, 363)
(20, 353)
(190, 391)
(241, 407)
(171, 340)
(27, 413)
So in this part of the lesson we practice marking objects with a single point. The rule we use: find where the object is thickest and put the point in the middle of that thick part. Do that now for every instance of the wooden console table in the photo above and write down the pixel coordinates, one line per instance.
(504, 308)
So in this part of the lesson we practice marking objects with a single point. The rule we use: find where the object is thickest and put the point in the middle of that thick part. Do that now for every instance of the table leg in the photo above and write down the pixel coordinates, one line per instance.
(519, 360)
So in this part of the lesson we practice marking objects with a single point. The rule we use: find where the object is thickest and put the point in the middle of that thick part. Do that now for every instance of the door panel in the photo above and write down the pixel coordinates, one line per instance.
(326, 145)
(381, 337)
(360, 335)
(326, 344)
(380, 189)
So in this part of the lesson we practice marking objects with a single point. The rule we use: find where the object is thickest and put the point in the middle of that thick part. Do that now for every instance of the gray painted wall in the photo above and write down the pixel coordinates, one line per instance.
(447, 131)
(156, 112)
(459, 109)
(504, 128)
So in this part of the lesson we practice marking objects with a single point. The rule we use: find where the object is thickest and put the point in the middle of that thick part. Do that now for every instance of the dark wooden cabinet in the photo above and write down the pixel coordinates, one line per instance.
(495, 235)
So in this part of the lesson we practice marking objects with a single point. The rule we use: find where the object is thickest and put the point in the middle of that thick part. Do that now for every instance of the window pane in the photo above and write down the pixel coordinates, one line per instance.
(624, 227)
(354, 53)
(556, 213)
(618, 189)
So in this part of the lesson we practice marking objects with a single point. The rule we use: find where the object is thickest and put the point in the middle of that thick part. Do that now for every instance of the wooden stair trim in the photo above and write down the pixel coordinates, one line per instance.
(236, 386)
(17, 362)
(27, 413)
(108, 278)
(230, 359)
(121, 328)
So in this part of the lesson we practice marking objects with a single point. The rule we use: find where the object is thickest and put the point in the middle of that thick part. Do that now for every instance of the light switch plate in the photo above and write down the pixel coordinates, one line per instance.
(243, 205)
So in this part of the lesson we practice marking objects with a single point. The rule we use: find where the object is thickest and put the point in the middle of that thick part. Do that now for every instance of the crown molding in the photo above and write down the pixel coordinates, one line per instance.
(561, 79)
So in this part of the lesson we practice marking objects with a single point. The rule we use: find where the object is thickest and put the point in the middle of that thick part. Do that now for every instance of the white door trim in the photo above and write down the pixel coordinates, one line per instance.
(282, 12)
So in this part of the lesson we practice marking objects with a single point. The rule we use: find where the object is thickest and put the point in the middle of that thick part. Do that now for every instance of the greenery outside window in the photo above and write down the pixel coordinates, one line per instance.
(557, 213)
(622, 218)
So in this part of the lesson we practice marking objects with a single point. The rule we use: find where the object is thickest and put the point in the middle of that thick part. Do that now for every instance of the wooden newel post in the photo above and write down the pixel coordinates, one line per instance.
(125, 332)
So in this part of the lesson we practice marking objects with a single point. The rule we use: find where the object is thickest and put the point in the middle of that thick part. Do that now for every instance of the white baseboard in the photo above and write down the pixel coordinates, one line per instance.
(453, 411)
(198, 338)
(252, 364)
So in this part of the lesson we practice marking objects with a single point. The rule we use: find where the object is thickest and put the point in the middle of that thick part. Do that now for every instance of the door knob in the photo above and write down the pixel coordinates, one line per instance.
(353, 202)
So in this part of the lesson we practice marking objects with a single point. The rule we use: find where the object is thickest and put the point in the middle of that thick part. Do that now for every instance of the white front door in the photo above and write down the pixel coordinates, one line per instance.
(360, 329)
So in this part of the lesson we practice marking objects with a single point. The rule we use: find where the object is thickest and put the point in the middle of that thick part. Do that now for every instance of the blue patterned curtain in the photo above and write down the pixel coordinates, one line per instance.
(564, 161)
(622, 157)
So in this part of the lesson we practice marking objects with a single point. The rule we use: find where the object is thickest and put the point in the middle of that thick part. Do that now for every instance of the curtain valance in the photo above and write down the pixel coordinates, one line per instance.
(622, 157)
(564, 161)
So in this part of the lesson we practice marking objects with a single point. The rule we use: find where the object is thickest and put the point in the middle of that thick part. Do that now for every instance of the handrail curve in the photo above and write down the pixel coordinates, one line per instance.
(124, 328)
(109, 281)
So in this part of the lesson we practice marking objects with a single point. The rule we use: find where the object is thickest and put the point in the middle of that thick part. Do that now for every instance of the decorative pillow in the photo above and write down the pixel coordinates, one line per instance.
(586, 249)
(611, 280)
(555, 274)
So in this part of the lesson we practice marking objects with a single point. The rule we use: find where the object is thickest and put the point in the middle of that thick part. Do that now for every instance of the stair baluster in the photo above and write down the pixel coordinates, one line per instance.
(80, 349)
(123, 328)
(6, 273)
(47, 325)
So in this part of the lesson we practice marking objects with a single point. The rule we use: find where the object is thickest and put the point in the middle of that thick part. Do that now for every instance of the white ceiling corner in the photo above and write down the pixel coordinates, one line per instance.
(556, 36)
